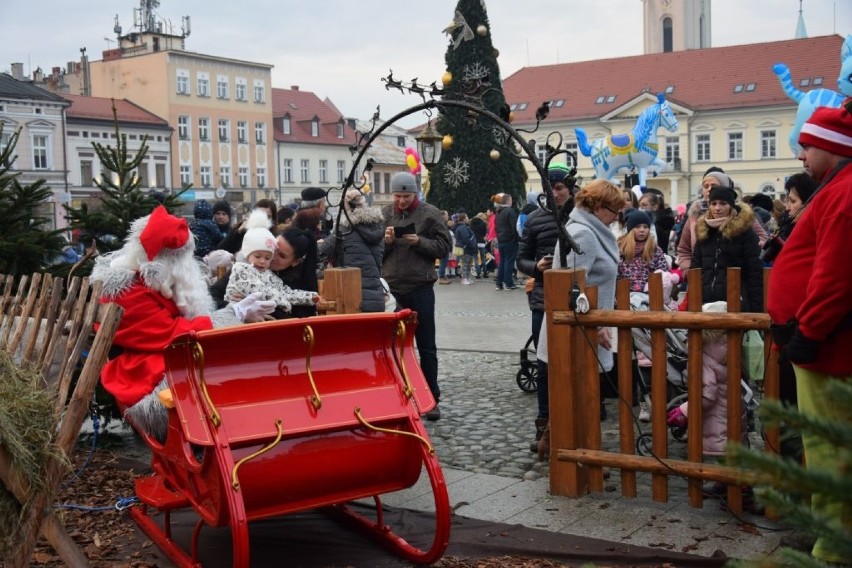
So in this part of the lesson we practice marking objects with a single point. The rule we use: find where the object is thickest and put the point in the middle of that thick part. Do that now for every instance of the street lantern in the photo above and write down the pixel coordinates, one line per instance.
(429, 146)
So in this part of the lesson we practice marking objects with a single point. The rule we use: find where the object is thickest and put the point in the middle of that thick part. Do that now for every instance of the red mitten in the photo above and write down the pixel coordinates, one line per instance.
(676, 418)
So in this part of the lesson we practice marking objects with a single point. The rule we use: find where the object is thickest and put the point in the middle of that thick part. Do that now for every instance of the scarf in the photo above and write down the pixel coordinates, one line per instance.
(410, 208)
(717, 223)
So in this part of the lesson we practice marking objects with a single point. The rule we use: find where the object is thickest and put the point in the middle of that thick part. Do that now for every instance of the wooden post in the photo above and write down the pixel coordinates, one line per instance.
(587, 417)
(735, 373)
(626, 434)
(343, 287)
(695, 350)
(659, 389)
(566, 478)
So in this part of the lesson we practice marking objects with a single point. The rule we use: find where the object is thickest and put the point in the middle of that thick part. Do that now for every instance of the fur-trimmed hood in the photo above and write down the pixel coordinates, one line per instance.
(741, 221)
(362, 216)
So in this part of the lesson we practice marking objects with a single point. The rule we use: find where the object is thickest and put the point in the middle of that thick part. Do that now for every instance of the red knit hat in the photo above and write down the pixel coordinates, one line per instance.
(829, 129)
(163, 230)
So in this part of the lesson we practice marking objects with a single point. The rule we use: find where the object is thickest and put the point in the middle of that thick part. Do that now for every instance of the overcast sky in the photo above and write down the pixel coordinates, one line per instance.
(341, 48)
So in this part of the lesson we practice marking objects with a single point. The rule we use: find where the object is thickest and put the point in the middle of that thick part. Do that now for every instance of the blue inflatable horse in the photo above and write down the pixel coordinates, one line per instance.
(637, 150)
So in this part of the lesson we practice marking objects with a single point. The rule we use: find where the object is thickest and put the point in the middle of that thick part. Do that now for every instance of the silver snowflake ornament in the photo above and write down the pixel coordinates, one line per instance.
(456, 172)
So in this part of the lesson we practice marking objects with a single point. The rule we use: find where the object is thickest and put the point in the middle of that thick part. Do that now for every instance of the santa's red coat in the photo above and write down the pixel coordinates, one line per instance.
(150, 322)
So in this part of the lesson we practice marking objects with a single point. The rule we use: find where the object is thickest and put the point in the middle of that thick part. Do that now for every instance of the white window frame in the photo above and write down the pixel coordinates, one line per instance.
(315, 128)
(243, 173)
(287, 170)
(225, 176)
(242, 131)
(261, 177)
(768, 144)
(182, 87)
(570, 159)
(735, 146)
(672, 148)
(204, 129)
(285, 126)
(260, 132)
(222, 86)
(41, 150)
(224, 130)
(702, 148)
(185, 175)
(203, 84)
(341, 171)
(183, 127)
(204, 172)
(323, 171)
(340, 129)
(305, 170)
(241, 89)
(259, 91)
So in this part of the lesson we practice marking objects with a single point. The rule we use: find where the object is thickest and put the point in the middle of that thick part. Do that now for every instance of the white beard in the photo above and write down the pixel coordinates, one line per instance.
(181, 278)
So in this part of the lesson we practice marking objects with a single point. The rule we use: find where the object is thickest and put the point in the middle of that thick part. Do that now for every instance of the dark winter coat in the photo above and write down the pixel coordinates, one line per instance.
(205, 231)
(479, 228)
(506, 225)
(664, 221)
(735, 245)
(363, 234)
(539, 239)
(412, 267)
(465, 238)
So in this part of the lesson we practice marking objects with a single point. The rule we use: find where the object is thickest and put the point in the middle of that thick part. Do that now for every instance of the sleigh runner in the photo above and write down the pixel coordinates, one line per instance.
(289, 416)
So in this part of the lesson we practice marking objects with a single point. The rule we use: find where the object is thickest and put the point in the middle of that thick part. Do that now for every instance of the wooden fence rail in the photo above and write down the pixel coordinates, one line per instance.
(576, 458)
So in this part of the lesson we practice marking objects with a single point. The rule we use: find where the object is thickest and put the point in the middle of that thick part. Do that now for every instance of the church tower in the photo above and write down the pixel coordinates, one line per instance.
(676, 25)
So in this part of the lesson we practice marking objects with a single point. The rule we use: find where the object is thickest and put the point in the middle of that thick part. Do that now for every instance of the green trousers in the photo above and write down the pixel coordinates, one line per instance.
(820, 454)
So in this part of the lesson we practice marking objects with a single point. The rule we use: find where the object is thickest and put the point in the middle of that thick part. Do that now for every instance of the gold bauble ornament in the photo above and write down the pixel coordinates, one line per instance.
(512, 117)
(447, 142)
(494, 155)
(447, 79)
(482, 29)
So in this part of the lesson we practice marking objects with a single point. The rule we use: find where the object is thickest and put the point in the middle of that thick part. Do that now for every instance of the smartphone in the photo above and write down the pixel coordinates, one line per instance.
(400, 232)
(547, 257)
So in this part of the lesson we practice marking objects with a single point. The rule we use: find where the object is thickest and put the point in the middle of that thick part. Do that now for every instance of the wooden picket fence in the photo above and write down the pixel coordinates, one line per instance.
(576, 458)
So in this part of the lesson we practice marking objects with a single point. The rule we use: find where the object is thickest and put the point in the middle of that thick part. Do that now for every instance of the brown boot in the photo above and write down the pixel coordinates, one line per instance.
(544, 444)
(540, 425)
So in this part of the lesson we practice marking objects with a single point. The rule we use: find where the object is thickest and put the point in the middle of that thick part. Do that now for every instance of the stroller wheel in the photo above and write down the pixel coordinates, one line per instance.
(678, 433)
(644, 445)
(527, 377)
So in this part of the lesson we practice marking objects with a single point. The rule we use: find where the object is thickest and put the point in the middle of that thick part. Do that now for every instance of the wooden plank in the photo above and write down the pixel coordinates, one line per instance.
(41, 323)
(27, 309)
(695, 353)
(665, 320)
(12, 311)
(589, 413)
(735, 373)
(56, 338)
(659, 389)
(626, 434)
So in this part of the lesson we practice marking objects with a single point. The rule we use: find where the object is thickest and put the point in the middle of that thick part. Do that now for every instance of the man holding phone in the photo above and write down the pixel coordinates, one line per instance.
(415, 237)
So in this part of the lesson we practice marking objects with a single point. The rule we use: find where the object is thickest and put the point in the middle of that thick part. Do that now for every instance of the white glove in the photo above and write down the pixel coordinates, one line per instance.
(582, 304)
(252, 309)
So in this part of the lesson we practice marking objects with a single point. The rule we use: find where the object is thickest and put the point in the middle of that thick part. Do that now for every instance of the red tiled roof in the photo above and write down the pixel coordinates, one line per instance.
(100, 108)
(703, 79)
(303, 106)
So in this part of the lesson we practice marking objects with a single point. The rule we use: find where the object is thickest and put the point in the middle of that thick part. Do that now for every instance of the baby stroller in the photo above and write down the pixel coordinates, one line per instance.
(527, 375)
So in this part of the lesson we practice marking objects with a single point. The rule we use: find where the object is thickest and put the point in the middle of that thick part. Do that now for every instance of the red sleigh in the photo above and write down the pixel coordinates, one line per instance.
(288, 416)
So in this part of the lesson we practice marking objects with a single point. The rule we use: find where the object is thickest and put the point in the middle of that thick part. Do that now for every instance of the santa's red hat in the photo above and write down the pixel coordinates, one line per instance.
(163, 231)
(829, 129)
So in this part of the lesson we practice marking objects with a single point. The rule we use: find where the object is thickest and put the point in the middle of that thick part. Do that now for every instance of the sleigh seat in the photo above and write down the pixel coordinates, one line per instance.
(288, 416)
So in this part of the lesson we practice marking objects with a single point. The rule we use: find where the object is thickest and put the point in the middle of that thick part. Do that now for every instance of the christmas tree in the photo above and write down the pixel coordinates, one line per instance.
(27, 244)
(479, 158)
(122, 200)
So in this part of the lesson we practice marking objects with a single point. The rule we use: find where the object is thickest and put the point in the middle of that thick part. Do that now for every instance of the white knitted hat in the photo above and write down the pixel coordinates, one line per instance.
(258, 236)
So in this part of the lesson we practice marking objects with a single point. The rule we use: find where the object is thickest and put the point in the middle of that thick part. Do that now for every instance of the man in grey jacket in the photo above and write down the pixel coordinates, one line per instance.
(415, 236)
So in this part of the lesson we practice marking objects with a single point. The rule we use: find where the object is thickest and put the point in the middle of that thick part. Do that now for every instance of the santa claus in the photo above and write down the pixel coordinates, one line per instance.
(162, 288)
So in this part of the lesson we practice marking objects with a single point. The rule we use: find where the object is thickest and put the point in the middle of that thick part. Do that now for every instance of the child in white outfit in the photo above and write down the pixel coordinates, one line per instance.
(251, 271)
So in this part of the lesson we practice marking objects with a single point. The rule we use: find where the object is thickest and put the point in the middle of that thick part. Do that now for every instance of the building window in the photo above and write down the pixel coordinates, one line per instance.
(204, 129)
(315, 127)
(259, 91)
(735, 145)
(306, 171)
(160, 172)
(323, 171)
(86, 177)
(222, 86)
(183, 127)
(244, 177)
(767, 144)
(377, 183)
(40, 152)
(668, 43)
(224, 129)
(572, 157)
(225, 176)
(182, 82)
(142, 174)
(400, 141)
(203, 85)
(672, 150)
(288, 170)
(285, 126)
(242, 131)
(340, 129)
(260, 132)
(702, 148)
(242, 89)
(185, 175)
(261, 177)
(541, 153)
(205, 176)
(341, 171)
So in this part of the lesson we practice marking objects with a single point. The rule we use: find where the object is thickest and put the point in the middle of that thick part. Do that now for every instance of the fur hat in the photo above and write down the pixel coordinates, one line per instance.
(636, 217)
(222, 206)
(257, 235)
(829, 129)
(312, 194)
(403, 182)
(163, 231)
(354, 198)
(723, 193)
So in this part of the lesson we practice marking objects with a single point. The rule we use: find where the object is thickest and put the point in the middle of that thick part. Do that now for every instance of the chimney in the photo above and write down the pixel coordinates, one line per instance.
(18, 71)
(55, 71)
(294, 87)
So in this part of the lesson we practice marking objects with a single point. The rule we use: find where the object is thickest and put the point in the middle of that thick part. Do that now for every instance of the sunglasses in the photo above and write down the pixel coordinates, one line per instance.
(611, 210)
